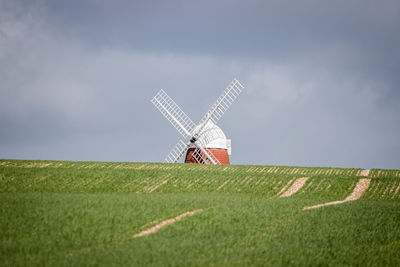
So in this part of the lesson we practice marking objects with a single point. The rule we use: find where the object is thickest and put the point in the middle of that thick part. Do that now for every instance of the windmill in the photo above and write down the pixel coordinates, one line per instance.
(205, 142)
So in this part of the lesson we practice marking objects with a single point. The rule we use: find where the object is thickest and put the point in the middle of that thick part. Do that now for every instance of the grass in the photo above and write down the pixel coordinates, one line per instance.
(85, 214)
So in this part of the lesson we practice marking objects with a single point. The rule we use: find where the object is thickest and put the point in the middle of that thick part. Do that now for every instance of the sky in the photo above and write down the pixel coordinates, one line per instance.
(321, 79)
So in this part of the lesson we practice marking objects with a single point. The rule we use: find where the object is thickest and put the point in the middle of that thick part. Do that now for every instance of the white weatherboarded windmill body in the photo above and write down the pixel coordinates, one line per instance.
(205, 142)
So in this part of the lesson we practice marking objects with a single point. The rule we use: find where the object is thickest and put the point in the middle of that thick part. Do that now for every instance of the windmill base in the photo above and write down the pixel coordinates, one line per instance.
(220, 153)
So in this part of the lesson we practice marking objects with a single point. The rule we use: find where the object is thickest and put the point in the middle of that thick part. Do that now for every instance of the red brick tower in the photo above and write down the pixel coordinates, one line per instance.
(214, 139)
(219, 153)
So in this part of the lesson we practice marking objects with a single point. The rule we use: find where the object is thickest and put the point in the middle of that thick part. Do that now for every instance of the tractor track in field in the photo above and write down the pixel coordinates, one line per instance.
(156, 228)
(296, 186)
(358, 191)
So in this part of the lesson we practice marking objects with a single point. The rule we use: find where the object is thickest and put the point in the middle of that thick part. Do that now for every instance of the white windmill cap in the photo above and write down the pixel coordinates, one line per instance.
(211, 136)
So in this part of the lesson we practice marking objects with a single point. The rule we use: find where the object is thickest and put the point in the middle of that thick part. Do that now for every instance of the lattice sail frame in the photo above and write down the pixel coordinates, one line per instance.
(224, 101)
(202, 158)
(174, 114)
(177, 152)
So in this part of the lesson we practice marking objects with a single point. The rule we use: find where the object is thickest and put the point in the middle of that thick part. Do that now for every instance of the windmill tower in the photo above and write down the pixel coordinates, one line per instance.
(205, 142)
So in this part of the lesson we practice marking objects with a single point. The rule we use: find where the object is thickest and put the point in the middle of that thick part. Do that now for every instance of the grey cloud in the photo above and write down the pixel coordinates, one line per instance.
(321, 79)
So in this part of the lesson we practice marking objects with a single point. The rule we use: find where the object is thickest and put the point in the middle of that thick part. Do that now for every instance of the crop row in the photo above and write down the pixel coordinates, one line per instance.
(184, 167)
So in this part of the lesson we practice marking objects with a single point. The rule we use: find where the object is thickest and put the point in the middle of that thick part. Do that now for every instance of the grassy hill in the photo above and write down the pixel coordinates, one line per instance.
(87, 213)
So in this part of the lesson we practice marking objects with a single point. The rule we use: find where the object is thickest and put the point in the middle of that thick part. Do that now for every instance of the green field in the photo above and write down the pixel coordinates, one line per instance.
(56, 213)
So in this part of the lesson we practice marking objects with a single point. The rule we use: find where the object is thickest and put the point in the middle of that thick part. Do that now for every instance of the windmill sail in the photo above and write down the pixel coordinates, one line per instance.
(177, 152)
(204, 156)
(173, 113)
(223, 102)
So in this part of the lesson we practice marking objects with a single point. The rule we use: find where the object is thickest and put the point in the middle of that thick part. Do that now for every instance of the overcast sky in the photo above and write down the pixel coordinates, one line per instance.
(321, 79)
